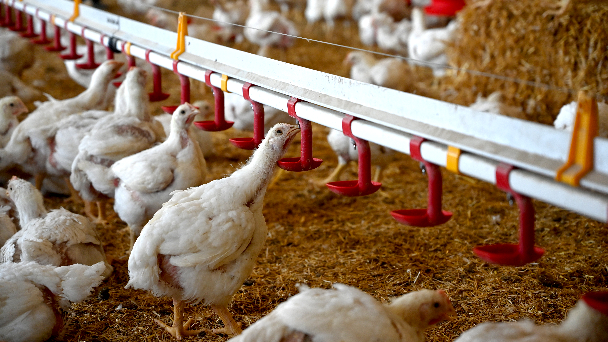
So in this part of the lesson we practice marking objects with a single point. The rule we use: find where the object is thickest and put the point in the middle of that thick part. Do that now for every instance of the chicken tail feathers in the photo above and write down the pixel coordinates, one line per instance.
(100, 176)
(77, 281)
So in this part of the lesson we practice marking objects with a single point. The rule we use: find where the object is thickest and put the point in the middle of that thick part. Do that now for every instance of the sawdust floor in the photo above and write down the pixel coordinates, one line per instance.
(320, 238)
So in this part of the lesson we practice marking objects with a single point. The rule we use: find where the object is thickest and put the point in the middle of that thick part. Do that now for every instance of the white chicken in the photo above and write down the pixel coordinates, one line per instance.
(83, 76)
(361, 8)
(330, 10)
(494, 104)
(30, 151)
(567, 114)
(5, 200)
(32, 294)
(65, 137)
(344, 148)
(203, 243)
(15, 52)
(585, 322)
(141, 6)
(427, 46)
(231, 16)
(12, 85)
(261, 24)
(336, 9)
(130, 129)
(387, 72)
(369, 24)
(7, 226)
(396, 9)
(10, 108)
(394, 36)
(238, 110)
(219, 34)
(203, 137)
(142, 182)
(58, 237)
(347, 314)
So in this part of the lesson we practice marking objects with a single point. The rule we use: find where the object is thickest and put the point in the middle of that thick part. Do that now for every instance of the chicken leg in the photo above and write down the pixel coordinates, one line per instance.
(231, 327)
(38, 179)
(134, 232)
(377, 173)
(335, 175)
(101, 212)
(74, 196)
(179, 329)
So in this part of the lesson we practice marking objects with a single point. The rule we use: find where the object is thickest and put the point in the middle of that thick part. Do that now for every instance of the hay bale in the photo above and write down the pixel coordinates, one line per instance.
(521, 40)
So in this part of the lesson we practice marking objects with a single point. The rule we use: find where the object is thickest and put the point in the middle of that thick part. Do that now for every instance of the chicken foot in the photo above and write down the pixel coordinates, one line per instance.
(74, 196)
(231, 327)
(101, 212)
(179, 329)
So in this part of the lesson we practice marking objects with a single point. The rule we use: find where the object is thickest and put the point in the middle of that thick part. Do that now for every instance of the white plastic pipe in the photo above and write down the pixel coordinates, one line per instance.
(482, 166)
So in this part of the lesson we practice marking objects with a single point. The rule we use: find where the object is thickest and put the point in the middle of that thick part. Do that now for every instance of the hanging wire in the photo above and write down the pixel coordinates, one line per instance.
(535, 84)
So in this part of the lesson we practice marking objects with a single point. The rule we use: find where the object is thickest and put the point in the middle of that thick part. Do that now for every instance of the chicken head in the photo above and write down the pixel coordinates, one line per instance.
(424, 308)
(23, 194)
(278, 139)
(184, 115)
(12, 105)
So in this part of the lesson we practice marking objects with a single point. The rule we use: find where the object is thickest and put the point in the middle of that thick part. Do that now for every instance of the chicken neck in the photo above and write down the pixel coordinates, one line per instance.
(256, 175)
(30, 209)
(94, 96)
(418, 20)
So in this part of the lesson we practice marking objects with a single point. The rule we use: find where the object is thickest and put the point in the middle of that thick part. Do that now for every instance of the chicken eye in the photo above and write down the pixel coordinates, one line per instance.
(436, 304)
(12, 105)
(182, 112)
(279, 131)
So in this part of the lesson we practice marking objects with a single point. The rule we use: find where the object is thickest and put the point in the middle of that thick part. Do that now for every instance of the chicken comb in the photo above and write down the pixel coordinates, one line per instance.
(597, 300)
(445, 295)
(14, 177)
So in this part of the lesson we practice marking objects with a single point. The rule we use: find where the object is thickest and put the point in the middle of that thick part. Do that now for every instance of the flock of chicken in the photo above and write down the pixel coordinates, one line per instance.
(204, 256)
(193, 240)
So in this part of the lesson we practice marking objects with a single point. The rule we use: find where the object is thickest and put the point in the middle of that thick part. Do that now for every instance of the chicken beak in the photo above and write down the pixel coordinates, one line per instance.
(291, 133)
(450, 310)
(116, 65)
(293, 130)
(191, 117)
